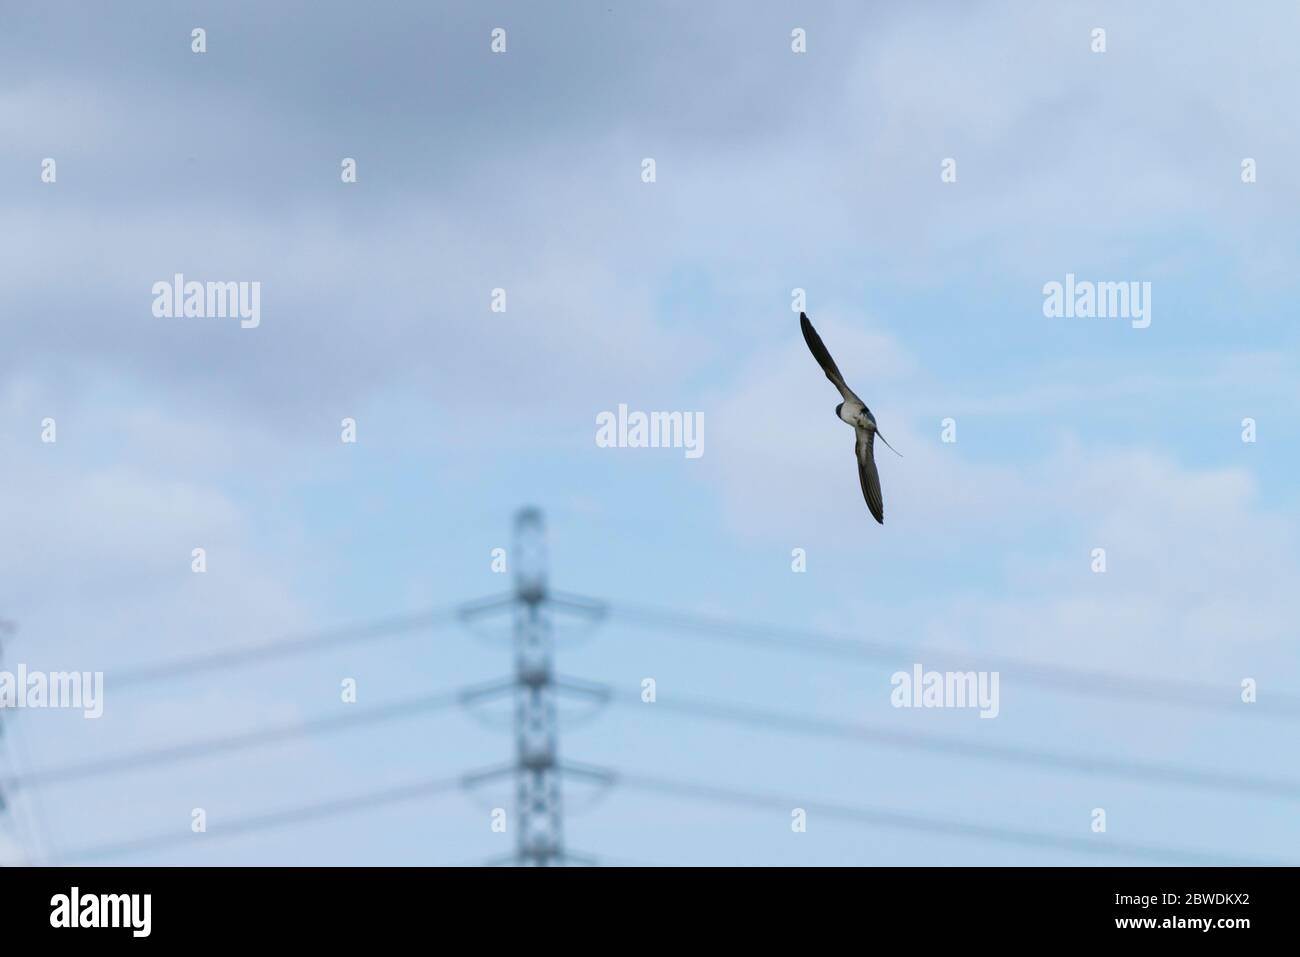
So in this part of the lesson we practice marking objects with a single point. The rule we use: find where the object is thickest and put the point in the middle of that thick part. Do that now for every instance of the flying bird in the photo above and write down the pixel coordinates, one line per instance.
(855, 412)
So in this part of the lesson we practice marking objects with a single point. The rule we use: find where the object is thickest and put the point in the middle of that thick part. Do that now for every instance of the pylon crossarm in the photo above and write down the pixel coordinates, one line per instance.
(489, 689)
(578, 604)
(588, 689)
(485, 606)
(473, 779)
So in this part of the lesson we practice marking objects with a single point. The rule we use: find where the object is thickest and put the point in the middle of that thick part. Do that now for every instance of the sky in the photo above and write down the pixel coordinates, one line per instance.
(782, 180)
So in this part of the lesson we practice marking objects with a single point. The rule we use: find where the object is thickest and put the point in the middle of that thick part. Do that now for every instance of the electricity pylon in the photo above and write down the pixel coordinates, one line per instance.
(538, 819)
(6, 628)
(537, 769)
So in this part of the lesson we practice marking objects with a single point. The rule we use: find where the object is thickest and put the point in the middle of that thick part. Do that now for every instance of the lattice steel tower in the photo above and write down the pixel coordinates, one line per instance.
(539, 825)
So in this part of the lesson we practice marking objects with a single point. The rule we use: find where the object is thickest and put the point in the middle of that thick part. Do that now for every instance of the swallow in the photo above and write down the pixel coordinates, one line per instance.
(855, 412)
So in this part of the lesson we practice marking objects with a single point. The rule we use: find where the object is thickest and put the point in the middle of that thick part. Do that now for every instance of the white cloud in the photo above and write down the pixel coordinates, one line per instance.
(100, 527)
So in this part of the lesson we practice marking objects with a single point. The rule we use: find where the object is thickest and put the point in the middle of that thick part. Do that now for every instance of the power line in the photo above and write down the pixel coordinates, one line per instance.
(189, 751)
(300, 644)
(1083, 682)
(1100, 684)
(704, 708)
(886, 818)
(261, 822)
(967, 748)
(267, 651)
(871, 816)
(537, 769)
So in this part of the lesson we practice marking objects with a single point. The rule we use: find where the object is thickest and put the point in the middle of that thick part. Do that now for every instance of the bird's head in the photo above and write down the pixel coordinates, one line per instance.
(837, 409)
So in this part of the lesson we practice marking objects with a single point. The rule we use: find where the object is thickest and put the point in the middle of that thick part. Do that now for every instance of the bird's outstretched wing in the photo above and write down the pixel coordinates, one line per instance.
(823, 357)
(867, 473)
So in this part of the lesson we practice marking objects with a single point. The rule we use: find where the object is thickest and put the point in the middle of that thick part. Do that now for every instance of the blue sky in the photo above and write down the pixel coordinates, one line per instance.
(775, 171)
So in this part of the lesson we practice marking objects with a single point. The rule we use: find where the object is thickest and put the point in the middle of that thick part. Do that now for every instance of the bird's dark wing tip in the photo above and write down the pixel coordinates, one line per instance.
(868, 476)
